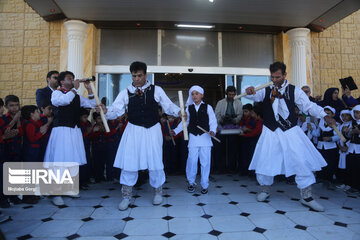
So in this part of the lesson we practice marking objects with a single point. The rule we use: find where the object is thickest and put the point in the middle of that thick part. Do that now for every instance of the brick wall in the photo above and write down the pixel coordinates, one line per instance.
(29, 48)
(336, 54)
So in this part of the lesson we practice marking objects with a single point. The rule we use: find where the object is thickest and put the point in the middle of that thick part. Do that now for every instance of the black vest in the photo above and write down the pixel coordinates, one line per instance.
(199, 118)
(325, 134)
(143, 109)
(269, 118)
(355, 137)
(69, 115)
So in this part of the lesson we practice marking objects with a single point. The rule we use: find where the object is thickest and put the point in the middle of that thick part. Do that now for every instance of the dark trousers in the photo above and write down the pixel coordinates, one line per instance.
(170, 157)
(331, 157)
(111, 173)
(353, 170)
(99, 155)
(247, 148)
(218, 163)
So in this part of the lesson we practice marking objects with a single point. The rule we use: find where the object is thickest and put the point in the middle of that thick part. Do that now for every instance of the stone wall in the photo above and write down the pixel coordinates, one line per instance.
(29, 48)
(336, 54)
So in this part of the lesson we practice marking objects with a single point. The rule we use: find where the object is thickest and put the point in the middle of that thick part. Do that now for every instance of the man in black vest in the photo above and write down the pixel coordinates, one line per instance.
(283, 148)
(141, 143)
(44, 94)
(65, 149)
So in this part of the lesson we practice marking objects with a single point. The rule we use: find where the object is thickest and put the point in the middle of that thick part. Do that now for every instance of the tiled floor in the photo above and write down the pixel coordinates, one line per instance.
(228, 211)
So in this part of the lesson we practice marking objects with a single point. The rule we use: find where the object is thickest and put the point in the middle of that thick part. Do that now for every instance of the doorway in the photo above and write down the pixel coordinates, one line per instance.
(213, 85)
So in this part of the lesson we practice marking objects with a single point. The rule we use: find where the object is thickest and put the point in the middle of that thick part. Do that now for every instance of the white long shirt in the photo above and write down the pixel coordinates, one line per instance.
(203, 140)
(280, 107)
(118, 107)
(59, 98)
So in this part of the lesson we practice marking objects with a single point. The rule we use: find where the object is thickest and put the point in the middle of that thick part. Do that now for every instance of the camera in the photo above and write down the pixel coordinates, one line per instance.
(190, 69)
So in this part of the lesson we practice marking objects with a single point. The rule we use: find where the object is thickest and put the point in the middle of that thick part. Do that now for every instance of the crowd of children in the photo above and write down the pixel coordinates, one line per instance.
(342, 157)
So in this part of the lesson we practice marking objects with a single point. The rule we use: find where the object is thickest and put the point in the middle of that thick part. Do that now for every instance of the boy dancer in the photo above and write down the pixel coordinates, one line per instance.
(200, 114)
(141, 144)
(283, 148)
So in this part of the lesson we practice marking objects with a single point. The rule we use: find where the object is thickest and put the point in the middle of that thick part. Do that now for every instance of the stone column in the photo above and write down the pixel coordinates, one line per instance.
(298, 40)
(76, 34)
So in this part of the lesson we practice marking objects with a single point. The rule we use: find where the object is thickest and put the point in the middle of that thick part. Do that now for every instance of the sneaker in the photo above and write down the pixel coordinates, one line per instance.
(157, 199)
(72, 194)
(58, 201)
(204, 191)
(262, 196)
(124, 204)
(3, 217)
(191, 188)
(311, 203)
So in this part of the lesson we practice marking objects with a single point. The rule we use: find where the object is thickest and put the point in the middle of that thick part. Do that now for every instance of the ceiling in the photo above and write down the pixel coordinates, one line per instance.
(244, 15)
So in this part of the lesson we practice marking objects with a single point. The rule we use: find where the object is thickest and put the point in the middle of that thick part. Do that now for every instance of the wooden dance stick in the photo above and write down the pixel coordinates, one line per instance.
(343, 139)
(215, 138)
(182, 109)
(101, 110)
(172, 138)
(256, 89)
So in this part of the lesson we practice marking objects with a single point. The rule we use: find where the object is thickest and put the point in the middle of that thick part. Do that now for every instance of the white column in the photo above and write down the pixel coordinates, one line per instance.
(76, 34)
(298, 40)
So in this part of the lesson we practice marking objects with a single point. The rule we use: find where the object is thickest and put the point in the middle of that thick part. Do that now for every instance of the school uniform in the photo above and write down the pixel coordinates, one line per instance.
(98, 141)
(200, 143)
(45, 139)
(85, 170)
(112, 143)
(248, 142)
(328, 150)
(66, 145)
(308, 132)
(283, 148)
(13, 146)
(353, 157)
(32, 141)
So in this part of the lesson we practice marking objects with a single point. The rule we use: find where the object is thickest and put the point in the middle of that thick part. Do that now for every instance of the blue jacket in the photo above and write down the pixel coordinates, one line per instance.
(43, 94)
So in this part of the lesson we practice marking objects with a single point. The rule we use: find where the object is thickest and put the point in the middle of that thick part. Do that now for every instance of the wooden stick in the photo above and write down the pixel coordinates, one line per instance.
(182, 109)
(101, 110)
(172, 138)
(256, 89)
(343, 139)
(215, 138)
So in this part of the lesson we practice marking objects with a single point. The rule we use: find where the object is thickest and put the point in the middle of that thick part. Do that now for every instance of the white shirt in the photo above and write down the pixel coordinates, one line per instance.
(118, 107)
(280, 107)
(323, 144)
(353, 147)
(204, 139)
(58, 98)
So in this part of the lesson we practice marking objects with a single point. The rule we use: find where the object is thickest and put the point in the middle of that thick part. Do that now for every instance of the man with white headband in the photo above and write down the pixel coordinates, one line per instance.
(141, 143)
(283, 148)
(199, 114)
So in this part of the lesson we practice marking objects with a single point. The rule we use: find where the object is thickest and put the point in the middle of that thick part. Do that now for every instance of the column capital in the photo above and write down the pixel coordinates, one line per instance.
(76, 30)
(298, 34)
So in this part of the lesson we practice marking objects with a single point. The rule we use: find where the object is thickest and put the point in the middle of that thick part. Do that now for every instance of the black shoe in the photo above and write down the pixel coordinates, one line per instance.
(4, 204)
(15, 200)
(204, 191)
(28, 199)
(191, 188)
